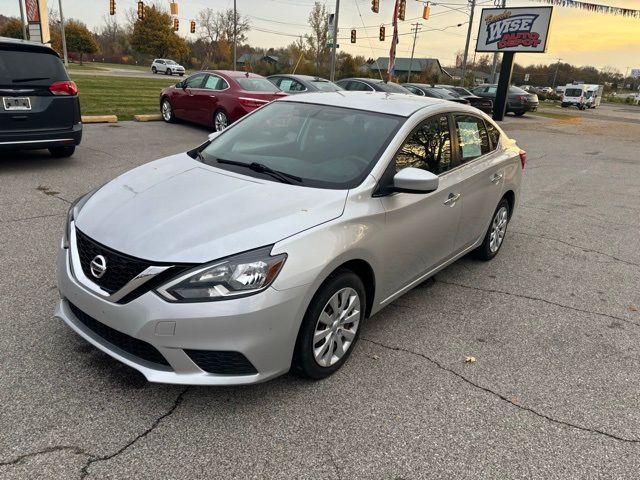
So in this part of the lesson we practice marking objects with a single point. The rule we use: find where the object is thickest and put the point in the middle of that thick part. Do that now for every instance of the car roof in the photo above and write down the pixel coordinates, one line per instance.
(17, 44)
(365, 80)
(309, 78)
(380, 102)
(233, 73)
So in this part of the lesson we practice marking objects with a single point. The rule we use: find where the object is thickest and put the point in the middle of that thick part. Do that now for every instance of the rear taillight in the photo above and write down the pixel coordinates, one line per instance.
(251, 102)
(64, 88)
(523, 158)
(523, 98)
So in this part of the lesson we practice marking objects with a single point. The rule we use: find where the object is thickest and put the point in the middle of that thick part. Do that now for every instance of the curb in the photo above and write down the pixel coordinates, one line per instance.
(155, 117)
(99, 119)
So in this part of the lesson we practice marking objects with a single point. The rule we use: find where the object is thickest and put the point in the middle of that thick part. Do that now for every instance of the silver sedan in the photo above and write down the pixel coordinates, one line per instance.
(266, 248)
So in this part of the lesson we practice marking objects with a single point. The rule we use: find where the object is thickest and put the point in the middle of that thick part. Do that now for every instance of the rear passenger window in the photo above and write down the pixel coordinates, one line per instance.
(473, 140)
(428, 147)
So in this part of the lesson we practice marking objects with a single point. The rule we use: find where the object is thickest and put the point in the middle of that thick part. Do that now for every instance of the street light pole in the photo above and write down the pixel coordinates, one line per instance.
(235, 35)
(64, 38)
(466, 47)
(332, 76)
(556, 74)
(415, 35)
(23, 21)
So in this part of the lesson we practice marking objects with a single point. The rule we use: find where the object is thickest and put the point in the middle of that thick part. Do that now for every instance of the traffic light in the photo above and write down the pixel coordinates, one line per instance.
(382, 33)
(353, 36)
(112, 7)
(176, 24)
(402, 9)
(140, 10)
(426, 12)
(375, 6)
(193, 26)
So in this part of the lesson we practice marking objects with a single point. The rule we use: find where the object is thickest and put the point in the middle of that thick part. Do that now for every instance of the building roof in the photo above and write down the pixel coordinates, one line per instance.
(402, 64)
(257, 57)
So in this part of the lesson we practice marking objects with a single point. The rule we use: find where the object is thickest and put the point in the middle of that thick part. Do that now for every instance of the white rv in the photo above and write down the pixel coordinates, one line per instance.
(594, 95)
(575, 95)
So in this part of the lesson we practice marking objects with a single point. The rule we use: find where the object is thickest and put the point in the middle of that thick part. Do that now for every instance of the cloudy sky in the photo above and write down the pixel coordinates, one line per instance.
(577, 36)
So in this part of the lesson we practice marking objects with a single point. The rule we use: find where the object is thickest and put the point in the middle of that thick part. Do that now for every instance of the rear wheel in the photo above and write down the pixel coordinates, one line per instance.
(167, 111)
(519, 113)
(331, 326)
(495, 233)
(62, 152)
(220, 120)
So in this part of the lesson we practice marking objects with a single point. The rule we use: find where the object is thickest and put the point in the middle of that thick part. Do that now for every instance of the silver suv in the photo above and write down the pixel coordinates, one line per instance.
(168, 67)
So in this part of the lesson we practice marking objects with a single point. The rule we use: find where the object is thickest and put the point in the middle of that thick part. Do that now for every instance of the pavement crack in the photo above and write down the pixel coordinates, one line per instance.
(94, 459)
(335, 466)
(61, 448)
(540, 299)
(579, 247)
(33, 218)
(502, 397)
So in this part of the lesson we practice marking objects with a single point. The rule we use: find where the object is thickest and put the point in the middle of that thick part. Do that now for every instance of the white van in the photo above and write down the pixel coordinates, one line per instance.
(575, 95)
(594, 95)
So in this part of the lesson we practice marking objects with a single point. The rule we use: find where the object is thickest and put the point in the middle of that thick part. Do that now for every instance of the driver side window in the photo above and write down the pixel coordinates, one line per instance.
(428, 147)
(194, 81)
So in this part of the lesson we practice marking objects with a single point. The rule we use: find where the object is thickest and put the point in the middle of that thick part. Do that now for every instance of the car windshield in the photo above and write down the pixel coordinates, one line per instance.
(326, 86)
(517, 91)
(253, 84)
(463, 92)
(392, 87)
(443, 93)
(327, 147)
(30, 68)
(572, 92)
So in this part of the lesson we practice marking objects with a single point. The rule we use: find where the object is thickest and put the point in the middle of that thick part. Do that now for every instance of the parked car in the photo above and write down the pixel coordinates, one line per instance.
(293, 84)
(39, 106)
(518, 101)
(168, 67)
(371, 85)
(484, 104)
(216, 98)
(546, 90)
(423, 90)
(266, 248)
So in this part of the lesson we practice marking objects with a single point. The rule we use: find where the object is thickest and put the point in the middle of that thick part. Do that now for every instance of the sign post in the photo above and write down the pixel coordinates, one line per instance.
(512, 30)
(38, 20)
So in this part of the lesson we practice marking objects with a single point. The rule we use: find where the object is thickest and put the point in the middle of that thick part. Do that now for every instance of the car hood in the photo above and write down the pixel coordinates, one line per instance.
(180, 210)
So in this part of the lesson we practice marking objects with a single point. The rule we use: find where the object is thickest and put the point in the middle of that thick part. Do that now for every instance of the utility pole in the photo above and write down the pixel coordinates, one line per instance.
(556, 74)
(466, 47)
(23, 21)
(416, 27)
(64, 38)
(503, 4)
(235, 36)
(334, 41)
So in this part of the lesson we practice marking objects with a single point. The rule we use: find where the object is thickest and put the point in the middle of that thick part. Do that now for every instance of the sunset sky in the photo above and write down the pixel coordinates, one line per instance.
(578, 37)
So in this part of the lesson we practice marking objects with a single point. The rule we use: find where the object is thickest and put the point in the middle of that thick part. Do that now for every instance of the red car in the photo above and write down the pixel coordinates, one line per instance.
(216, 98)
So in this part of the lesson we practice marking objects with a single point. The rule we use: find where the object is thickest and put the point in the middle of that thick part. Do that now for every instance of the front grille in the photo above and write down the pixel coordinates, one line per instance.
(222, 362)
(120, 268)
(131, 345)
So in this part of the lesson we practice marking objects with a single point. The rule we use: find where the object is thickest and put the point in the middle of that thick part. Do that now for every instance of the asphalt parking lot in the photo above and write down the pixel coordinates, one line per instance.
(553, 323)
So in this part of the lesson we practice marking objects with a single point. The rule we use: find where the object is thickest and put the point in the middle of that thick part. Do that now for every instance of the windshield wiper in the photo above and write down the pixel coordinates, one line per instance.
(261, 168)
(33, 79)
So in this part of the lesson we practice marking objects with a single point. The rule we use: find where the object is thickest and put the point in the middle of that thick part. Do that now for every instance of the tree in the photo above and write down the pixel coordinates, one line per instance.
(12, 29)
(216, 30)
(317, 41)
(155, 35)
(79, 38)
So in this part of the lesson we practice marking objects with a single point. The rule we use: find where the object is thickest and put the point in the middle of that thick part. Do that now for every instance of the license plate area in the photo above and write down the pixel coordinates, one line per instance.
(16, 103)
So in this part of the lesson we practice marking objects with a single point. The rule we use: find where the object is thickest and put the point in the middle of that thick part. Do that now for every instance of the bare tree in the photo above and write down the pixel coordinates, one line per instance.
(317, 41)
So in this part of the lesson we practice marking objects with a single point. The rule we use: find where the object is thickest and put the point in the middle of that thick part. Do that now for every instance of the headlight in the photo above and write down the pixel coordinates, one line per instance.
(72, 214)
(236, 276)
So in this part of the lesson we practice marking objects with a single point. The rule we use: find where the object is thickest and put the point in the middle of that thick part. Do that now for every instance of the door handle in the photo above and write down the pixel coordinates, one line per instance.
(453, 197)
(497, 177)
(213, 97)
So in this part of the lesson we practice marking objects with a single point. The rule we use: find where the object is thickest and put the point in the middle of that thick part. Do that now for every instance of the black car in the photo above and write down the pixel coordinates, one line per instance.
(432, 91)
(484, 104)
(39, 106)
(371, 85)
(518, 101)
(293, 84)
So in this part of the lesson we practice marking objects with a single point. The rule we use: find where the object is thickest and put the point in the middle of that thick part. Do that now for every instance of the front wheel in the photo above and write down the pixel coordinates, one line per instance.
(154, 70)
(519, 113)
(331, 326)
(167, 111)
(182, 74)
(495, 233)
(220, 120)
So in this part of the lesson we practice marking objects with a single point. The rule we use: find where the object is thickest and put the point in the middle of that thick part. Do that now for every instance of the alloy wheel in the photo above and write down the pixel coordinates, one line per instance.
(498, 229)
(220, 121)
(336, 327)
(166, 110)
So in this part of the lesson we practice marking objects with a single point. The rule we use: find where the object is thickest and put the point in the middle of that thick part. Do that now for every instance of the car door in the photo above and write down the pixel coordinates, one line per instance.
(479, 174)
(188, 106)
(210, 97)
(421, 227)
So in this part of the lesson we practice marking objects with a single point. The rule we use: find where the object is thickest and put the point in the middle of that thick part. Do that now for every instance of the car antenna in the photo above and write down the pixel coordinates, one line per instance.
(246, 74)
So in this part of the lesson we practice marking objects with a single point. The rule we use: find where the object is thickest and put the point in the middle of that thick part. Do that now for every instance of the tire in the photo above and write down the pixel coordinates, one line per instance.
(519, 113)
(154, 70)
(320, 359)
(182, 74)
(166, 71)
(220, 120)
(170, 72)
(62, 152)
(488, 249)
(166, 110)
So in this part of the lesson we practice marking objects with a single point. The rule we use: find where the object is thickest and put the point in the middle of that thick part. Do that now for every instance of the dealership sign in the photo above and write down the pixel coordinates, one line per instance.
(514, 29)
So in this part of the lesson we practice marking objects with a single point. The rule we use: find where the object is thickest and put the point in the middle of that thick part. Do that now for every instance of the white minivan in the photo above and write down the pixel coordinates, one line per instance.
(575, 95)
(594, 95)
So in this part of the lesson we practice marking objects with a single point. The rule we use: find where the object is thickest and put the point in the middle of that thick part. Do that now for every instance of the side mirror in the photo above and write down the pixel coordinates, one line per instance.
(213, 135)
(180, 85)
(415, 180)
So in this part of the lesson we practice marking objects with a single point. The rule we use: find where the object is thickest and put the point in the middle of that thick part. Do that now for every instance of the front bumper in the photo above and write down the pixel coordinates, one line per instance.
(261, 327)
(34, 140)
